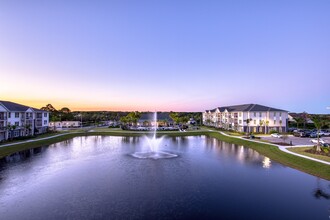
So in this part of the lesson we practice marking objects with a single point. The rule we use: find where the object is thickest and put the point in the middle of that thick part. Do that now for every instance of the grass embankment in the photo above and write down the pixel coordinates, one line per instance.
(301, 150)
(305, 165)
(299, 163)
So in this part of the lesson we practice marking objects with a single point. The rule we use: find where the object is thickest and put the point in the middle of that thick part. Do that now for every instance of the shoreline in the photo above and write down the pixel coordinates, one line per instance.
(306, 165)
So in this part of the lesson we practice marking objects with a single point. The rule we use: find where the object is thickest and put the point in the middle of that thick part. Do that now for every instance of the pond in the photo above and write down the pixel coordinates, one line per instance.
(96, 177)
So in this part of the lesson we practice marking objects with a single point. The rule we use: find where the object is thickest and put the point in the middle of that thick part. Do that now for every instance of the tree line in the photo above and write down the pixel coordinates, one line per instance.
(65, 114)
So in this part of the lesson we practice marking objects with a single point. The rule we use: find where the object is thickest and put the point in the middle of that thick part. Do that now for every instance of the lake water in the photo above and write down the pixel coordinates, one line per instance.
(96, 177)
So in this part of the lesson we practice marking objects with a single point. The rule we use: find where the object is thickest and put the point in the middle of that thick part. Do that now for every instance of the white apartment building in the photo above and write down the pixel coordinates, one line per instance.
(18, 120)
(64, 124)
(247, 118)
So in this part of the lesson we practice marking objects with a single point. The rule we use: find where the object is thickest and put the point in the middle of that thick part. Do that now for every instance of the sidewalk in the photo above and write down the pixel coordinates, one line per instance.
(33, 140)
(282, 148)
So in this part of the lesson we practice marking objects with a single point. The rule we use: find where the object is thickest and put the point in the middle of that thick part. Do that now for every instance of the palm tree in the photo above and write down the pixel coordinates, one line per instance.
(248, 124)
(266, 126)
(261, 122)
(318, 122)
(299, 120)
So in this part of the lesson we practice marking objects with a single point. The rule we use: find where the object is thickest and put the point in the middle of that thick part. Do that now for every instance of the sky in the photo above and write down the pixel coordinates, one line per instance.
(166, 55)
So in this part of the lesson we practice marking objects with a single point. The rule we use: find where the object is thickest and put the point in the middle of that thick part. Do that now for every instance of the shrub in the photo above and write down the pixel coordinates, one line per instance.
(272, 132)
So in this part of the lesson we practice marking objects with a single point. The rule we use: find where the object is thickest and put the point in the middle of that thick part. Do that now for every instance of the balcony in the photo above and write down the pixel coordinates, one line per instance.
(3, 117)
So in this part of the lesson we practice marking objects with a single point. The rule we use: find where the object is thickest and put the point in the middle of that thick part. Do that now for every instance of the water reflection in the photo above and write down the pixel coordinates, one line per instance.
(22, 155)
(242, 154)
(266, 163)
(93, 178)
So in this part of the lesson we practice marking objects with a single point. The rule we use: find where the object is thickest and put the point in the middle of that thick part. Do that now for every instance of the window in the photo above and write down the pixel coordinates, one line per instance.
(280, 113)
(240, 114)
(255, 122)
(17, 123)
(260, 114)
(274, 114)
(240, 121)
(16, 115)
(254, 114)
(45, 122)
(274, 122)
(9, 115)
(45, 114)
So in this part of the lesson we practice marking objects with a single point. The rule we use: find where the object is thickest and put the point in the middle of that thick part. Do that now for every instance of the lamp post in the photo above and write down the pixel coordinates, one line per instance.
(80, 120)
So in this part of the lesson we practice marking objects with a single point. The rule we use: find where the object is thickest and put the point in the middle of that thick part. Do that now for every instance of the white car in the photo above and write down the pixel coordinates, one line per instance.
(276, 135)
(315, 141)
(326, 133)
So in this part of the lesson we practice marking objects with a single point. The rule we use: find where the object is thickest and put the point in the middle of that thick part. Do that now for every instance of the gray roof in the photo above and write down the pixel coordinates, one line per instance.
(149, 116)
(247, 108)
(15, 107)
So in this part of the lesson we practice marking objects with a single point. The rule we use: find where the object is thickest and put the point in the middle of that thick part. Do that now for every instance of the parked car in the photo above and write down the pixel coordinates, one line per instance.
(313, 135)
(314, 141)
(292, 129)
(302, 133)
(325, 145)
(277, 135)
(326, 132)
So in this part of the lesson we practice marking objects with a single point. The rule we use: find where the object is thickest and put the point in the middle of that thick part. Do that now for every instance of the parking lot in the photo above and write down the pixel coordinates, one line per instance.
(295, 140)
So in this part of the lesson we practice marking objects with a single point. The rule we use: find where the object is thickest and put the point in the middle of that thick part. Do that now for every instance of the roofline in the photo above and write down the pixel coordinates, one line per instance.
(4, 106)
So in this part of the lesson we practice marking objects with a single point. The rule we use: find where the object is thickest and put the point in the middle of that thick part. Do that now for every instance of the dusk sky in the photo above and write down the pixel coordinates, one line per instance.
(166, 55)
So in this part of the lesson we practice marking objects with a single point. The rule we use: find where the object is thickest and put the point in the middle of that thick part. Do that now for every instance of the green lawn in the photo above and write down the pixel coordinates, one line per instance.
(301, 150)
(305, 165)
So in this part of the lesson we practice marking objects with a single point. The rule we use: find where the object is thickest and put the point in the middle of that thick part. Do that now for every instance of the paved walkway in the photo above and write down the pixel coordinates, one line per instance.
(282, 148)
(34, 140)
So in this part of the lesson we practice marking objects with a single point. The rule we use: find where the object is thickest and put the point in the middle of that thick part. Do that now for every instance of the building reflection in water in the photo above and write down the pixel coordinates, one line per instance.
(244, 155)
(266, 163)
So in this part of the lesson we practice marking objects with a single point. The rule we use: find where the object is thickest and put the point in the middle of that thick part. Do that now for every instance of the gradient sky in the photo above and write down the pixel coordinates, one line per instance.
(166, 55)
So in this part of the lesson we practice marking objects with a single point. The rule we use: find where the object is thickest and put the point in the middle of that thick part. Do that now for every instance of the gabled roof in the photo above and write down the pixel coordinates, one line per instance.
(15, 107)
(248, 108)
(149, 116)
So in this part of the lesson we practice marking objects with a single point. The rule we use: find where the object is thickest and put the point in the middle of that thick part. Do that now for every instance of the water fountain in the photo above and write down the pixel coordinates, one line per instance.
(153, 144)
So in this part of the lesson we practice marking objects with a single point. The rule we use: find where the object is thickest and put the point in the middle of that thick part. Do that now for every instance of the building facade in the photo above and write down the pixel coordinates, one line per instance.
(247, 118)
(64, 124)
(18, 120)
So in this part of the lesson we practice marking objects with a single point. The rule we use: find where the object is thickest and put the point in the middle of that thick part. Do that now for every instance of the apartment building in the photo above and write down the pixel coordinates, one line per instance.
(18, 120)
(247, 118)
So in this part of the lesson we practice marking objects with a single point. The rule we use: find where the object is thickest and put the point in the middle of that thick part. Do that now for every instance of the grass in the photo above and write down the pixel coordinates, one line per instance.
(301, 150)
(305, 165)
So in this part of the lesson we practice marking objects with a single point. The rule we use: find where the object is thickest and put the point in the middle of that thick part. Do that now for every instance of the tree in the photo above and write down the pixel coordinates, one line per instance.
(65, 110)
(266, 126)
(49, 108)
(281, 126)
(261, 122)
(304, 116)
(175, 117)
(133, 117)
(248, 124)
(318, 122)
(299, 120)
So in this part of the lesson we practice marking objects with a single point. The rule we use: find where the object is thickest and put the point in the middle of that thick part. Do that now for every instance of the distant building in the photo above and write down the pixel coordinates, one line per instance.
(249, 117)
(64, 124)
(147, 119)
(18, 120)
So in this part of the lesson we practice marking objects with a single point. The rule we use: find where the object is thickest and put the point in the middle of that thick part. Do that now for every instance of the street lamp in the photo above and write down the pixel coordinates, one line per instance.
(80, 120)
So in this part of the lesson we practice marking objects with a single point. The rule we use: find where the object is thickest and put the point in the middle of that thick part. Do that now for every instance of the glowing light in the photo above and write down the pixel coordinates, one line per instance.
(266, 163)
